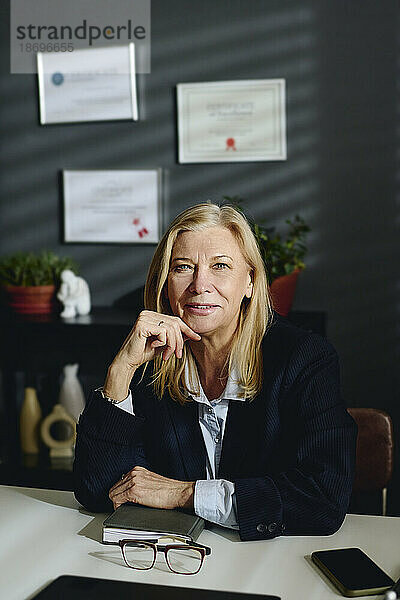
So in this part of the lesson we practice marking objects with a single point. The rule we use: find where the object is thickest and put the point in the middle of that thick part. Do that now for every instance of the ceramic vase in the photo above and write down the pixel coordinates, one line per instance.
(60, 440)
(30, 417)
(35, 299)
(282, 292)
(71, 396)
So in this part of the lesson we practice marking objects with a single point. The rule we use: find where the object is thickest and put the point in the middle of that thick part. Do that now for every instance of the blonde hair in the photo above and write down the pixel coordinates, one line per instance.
(255, 314)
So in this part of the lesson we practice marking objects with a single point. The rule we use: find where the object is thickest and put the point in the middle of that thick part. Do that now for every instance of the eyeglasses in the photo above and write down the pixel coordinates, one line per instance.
(185, 558)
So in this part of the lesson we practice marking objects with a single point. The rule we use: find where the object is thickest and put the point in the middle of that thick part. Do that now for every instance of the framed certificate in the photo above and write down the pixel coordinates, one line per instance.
(120, 207)
(231, 121)
(96, 84)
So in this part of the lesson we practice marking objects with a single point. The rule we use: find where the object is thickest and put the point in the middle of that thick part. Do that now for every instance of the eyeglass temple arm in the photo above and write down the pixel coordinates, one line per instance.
(190, 543)
(184, 540)
(206, 548)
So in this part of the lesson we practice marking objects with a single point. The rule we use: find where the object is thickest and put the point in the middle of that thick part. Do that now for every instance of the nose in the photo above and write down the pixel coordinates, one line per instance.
(200, 282)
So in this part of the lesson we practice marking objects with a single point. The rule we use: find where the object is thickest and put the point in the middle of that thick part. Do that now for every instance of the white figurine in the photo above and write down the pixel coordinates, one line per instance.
(74, 294)
(71, 395)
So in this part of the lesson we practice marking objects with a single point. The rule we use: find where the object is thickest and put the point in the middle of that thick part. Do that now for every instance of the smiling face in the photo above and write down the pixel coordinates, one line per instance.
(207, 281)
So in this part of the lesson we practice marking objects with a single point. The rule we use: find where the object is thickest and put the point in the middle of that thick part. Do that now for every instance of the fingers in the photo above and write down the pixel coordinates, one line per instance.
(164, 321)
(176, 332)
(118, 484)
(174, 343)
(123, 490)
(119, 493)
(142, 486)
(188, 331)
(123, 483)
(120, 497)
(154, 333)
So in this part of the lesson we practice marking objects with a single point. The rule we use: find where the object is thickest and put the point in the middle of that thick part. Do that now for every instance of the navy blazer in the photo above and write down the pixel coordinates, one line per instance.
(290, 451)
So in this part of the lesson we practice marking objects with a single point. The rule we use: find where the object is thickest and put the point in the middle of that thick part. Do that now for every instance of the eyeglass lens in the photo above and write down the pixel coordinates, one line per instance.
(185, 561)
(139, 556)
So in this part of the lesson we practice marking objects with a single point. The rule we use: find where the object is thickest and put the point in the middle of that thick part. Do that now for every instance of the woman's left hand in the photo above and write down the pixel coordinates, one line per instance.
(150, 489)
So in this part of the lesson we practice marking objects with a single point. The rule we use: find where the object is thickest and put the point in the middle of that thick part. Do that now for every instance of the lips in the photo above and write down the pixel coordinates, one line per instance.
(199, 305)
(201, 309)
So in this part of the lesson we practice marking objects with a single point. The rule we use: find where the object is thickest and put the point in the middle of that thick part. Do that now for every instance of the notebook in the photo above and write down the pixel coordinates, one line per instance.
(70, 587)
(132, 521)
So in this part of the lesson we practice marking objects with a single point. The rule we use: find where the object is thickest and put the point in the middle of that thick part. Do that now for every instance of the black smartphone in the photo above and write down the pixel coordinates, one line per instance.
(352, 571)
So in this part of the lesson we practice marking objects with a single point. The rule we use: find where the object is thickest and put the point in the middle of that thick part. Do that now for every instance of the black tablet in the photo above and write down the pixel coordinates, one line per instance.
(71, 587)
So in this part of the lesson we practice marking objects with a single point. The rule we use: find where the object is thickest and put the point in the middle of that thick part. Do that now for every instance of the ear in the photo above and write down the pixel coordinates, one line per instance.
(249, 287)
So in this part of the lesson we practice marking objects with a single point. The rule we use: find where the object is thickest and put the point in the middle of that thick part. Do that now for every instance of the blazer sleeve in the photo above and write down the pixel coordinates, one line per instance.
(310, 496)
(109, 443)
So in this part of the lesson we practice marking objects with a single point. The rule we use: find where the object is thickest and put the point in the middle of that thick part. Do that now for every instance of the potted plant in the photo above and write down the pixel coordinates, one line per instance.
(283, 258)
(30, 280)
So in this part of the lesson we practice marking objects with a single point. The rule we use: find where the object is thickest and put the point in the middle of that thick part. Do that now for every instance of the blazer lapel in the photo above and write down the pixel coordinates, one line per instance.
(239, 431)
(189, 437)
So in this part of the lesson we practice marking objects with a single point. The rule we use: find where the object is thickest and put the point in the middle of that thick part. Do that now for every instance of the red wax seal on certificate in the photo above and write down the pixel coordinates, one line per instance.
(230, 144)
(143, 232)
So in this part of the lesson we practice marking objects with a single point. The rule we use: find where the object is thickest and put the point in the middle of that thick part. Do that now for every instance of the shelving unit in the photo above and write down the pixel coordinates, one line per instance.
(42, 345)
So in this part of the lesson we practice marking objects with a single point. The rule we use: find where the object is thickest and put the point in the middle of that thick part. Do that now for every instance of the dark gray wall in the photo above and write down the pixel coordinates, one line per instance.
(339, 61)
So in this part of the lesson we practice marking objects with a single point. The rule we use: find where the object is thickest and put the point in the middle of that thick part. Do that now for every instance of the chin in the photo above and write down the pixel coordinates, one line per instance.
(202, 327)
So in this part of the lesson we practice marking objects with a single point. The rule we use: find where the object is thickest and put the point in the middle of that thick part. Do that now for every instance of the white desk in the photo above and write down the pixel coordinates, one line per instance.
(45, 533)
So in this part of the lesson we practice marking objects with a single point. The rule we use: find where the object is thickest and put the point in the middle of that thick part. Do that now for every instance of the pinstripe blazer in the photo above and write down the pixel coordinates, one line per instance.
(290, 451)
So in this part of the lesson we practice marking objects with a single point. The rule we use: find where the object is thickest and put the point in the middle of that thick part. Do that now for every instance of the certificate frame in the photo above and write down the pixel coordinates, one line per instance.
(99, 207)
(63, 97)
(232, 121)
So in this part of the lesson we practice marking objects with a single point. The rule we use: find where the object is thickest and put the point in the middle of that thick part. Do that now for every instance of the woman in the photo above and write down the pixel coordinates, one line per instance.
(241, 419)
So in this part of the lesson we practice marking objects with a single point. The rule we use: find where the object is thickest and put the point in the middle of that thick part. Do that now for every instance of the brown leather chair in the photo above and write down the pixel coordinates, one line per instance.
(374, 460)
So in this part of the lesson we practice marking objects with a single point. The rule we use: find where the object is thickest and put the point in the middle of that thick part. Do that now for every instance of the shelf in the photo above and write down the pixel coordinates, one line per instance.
(43, 344)
(34, 471)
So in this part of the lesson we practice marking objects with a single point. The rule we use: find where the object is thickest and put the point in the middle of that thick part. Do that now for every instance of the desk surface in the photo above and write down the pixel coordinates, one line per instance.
(45, 533)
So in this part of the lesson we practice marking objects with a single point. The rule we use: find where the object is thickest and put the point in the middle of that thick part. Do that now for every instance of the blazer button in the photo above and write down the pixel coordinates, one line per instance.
(272, 527)
(261, 528)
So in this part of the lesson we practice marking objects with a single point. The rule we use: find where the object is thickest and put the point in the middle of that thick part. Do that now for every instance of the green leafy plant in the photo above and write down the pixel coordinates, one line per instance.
(29, 269)
(280, 256)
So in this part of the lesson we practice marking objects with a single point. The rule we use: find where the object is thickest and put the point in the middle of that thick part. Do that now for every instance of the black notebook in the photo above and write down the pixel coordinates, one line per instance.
(132, 521)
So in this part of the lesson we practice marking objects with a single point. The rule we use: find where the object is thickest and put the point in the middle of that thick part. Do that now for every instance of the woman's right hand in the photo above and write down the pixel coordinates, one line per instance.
(153, 333)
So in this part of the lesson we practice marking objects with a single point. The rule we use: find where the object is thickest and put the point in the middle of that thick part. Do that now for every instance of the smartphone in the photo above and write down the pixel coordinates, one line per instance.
(352, 572)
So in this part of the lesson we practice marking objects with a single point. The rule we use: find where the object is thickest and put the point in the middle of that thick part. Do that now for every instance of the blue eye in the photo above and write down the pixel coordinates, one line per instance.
(179, 268)
(223, 264)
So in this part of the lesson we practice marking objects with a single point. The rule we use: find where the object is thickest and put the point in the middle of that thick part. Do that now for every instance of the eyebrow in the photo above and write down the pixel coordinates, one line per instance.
(212, 258)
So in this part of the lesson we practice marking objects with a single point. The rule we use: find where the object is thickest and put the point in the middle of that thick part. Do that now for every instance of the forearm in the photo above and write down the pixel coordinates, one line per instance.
(309, 498)
(92, 477)
(109, 443)
(292, 504)
(308, 490)
(118, 379)
(187, 495)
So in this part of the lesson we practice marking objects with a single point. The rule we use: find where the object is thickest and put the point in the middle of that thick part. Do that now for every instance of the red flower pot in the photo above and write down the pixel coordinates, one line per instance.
(37, 299)
(282, 292)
